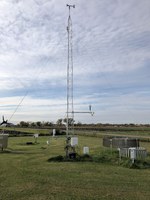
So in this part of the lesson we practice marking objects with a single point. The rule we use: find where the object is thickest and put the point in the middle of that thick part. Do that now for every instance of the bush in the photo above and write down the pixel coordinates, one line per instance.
(108, 156)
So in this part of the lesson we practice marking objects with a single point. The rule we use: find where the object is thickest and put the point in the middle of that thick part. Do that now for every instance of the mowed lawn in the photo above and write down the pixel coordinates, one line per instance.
(26, 174)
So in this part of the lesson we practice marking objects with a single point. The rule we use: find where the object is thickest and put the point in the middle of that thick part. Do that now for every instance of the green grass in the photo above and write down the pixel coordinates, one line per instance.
(25, 173)
(28, 130)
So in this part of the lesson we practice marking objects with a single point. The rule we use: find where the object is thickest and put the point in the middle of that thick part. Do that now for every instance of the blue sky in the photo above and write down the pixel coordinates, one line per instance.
(111, 45)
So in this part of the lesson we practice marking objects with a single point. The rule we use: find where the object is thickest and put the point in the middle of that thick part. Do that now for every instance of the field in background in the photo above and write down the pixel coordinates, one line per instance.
(25, 173)
(141, 132)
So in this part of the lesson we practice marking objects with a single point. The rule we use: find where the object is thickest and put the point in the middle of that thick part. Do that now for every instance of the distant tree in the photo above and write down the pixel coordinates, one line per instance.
(39, 124)
(131, 124)
(48, 124)
(24, 124)
(59, 122)
(78, 123)
(70, 121)
(33, 124)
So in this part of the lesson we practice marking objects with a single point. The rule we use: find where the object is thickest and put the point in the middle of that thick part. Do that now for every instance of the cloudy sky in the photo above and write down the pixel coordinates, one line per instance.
(111, 45)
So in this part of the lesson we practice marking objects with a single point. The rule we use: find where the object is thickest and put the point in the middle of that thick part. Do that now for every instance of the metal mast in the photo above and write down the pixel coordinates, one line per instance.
(70, 107)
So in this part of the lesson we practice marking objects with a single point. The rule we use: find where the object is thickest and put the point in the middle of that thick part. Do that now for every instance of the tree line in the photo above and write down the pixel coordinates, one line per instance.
(62, 123)
(39, 124)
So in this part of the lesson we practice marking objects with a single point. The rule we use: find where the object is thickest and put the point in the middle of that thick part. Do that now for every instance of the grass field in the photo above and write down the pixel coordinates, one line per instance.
(140, 132)
(25, 173)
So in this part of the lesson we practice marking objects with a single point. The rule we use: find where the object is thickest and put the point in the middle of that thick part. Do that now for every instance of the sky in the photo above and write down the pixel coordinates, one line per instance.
(111, 59)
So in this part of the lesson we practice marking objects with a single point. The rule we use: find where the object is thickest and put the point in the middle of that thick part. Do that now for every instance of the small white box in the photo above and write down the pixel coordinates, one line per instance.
(85, 150)
(54, 132)
(36, 135)
(74, 141)
(3, 140)
(132, 153)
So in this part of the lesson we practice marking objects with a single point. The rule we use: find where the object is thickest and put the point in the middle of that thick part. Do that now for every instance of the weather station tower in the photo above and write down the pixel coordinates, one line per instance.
(70, 96)
(70, 105)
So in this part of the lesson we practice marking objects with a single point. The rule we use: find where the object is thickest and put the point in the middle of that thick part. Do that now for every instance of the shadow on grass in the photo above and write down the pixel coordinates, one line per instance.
(28, 143)
(59, 158)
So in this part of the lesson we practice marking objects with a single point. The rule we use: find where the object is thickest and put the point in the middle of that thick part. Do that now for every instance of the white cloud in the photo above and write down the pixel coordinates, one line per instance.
(111, 48)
